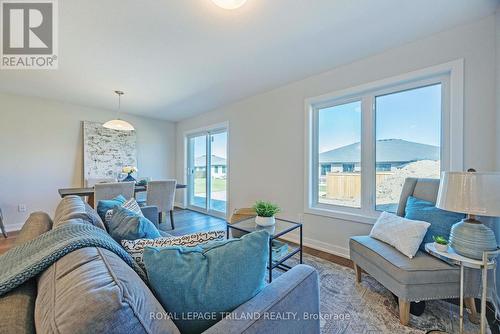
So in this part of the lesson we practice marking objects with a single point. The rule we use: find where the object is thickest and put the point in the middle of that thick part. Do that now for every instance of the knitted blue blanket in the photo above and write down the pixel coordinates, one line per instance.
(26, 261)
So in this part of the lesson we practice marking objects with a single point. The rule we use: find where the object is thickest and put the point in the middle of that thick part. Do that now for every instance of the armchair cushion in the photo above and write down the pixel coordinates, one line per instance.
(440, 220)
(422, 269)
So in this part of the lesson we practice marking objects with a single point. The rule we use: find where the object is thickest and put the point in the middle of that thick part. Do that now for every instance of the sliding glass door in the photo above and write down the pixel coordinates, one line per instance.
(207, 172)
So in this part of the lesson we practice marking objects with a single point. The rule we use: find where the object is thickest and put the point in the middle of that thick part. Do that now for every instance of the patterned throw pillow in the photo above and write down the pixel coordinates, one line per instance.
(136, 247)
(131, 205)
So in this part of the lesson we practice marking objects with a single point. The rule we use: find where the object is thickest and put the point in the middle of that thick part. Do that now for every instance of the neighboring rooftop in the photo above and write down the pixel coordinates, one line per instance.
(388, 150)
(201, 161)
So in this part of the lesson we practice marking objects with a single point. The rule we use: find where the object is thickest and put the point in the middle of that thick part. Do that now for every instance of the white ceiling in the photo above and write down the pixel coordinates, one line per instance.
(178, 58)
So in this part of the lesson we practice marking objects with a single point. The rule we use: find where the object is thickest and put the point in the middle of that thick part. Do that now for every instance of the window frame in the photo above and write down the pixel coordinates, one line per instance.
(449, 75)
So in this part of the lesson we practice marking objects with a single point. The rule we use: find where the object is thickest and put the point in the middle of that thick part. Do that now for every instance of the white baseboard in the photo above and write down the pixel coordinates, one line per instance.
(320, 245)
(179, 205)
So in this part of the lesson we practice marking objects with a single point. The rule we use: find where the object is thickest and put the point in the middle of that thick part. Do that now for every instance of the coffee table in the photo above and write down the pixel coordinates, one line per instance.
(279, 229)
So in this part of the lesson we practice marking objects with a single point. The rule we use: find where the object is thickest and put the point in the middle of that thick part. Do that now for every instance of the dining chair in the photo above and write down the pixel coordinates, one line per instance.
(2, 226)
(162, 195)
(103, 191)
(93, 181)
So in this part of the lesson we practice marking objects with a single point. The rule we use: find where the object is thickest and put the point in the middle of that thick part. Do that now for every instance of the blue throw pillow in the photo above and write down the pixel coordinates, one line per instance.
(105, 205)
(441, 221)
(207, 280)
(128, 225)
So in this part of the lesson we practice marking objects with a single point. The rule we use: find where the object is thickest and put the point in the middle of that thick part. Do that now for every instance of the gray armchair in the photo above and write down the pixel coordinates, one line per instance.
(422, 278)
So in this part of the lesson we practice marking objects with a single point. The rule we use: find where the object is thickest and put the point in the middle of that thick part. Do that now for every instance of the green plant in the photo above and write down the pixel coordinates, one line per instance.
(265, 209)
(440, 240)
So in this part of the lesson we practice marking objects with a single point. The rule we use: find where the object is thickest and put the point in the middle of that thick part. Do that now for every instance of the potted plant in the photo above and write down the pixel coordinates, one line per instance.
(129, 170)
(440, 243)
(265, 213)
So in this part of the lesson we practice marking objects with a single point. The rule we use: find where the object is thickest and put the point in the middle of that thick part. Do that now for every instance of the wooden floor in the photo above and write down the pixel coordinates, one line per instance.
(187, 222)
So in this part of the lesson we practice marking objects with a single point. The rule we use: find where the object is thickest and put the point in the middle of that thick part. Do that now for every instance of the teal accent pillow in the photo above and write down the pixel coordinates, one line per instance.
(105, 205)
(441, 221)
(128, 225)
(207, 280)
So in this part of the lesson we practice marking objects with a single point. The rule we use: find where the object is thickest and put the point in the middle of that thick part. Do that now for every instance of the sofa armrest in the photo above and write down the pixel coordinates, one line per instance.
(17, 306)
(151, 213)
(290, 304)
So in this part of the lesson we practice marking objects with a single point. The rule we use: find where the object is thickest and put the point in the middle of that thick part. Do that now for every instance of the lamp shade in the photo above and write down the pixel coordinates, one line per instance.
(475, 193)
(118, 124)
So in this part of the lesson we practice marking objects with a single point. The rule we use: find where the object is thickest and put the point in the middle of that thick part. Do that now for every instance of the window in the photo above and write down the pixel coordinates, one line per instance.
(339, 135)
(408, 140)
(364, 142)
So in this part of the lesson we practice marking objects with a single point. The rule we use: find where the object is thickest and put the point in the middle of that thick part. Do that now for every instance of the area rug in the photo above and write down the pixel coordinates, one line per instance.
(368, 307)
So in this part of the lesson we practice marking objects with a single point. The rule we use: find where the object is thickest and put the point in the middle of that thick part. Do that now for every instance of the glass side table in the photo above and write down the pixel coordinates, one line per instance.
(464, 262)
(279, 229)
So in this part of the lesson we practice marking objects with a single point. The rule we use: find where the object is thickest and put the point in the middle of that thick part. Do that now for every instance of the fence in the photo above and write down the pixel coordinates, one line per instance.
(348, 185)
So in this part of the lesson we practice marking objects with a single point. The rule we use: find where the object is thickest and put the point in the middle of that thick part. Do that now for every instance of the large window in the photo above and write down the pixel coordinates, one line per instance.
(364, 142)
(408, 140)
(339, 136)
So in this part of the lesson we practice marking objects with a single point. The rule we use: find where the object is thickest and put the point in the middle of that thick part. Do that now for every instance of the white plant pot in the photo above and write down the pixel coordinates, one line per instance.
(265, 221)
(441, 248)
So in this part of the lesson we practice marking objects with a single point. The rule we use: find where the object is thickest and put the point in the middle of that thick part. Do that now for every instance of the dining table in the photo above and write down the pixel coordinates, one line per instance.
(89, 191)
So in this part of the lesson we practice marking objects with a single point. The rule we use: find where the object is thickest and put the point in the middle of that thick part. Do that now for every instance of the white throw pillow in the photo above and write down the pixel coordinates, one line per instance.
(136, 247)
(404, 234)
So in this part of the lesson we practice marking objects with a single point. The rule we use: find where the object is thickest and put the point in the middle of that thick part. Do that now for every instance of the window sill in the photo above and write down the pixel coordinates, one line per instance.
(363, 218)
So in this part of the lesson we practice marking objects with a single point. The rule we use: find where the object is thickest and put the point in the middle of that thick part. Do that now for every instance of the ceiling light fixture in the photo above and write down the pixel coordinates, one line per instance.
(229, 4)
(118, 124)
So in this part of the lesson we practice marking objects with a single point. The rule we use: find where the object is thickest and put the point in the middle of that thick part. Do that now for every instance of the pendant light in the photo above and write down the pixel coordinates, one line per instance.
(229, 4)
(118, 124)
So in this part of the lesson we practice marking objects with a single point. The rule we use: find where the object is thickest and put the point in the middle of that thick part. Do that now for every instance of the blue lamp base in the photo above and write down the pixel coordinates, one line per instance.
(470, 238)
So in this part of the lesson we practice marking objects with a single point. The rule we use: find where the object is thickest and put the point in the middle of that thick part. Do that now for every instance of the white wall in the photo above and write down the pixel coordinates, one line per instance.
(41, 150)
(268, 129)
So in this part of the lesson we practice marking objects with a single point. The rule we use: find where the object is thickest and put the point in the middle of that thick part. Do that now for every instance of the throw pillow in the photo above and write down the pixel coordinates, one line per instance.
(104, 205)
(125, 224)
(136, 247)
(404, 234)
(209, 280)
(130, 204)
(441, 220)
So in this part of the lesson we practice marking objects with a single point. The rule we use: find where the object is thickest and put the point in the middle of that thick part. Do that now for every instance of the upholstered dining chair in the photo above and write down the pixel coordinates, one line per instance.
(104, 191)
(162, 195)
(93, 181)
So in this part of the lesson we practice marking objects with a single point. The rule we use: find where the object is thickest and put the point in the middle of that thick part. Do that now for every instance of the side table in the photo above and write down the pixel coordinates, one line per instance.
(281, 228)
(455, 259)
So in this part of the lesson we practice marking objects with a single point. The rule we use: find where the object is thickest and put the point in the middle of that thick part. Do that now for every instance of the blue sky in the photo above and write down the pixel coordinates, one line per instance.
(413, 115)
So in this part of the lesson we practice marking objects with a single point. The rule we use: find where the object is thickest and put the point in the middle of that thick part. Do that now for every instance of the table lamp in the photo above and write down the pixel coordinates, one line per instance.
(475, 194)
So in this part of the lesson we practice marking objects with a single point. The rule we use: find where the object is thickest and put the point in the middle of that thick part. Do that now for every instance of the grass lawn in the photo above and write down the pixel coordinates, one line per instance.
(217, 185)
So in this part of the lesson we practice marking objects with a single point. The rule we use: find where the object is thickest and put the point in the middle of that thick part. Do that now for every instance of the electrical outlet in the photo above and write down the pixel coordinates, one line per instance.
(21, 208)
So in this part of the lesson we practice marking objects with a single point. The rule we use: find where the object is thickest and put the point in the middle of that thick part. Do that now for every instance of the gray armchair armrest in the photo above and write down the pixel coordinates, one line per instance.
(295, 295)
(151, 213)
